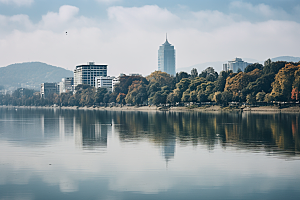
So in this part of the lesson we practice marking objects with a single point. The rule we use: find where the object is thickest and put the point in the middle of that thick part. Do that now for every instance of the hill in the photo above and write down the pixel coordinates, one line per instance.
(31, 75)
(286, 58)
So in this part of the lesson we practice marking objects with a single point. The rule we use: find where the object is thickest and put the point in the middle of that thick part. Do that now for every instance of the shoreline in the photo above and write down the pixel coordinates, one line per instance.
(260, 109)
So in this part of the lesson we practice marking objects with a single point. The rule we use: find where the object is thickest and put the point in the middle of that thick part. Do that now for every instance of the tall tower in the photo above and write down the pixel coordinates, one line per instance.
(166, 58)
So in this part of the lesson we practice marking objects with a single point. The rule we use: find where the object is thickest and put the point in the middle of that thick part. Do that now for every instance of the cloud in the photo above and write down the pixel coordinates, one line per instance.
(18, 2)
(209, 20)
(54, 20)
(146, 17)
(108, 1)
(128, 39)
(15, 22)
(259, 12)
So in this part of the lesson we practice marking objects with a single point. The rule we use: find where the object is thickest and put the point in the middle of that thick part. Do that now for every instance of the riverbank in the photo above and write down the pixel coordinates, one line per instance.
(264, 109)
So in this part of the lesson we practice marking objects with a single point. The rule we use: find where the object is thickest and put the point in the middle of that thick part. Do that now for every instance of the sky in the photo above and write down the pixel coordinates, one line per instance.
(126, 34)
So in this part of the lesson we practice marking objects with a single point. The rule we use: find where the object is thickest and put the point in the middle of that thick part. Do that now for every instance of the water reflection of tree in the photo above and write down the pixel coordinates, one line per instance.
(274, 133)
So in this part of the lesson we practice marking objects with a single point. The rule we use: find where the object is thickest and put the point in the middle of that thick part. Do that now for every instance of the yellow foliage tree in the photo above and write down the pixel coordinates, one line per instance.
(238, 82)
(284, 79)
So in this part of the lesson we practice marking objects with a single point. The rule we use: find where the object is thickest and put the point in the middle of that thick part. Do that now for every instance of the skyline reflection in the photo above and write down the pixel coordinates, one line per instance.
(138, 155)
(273, 133)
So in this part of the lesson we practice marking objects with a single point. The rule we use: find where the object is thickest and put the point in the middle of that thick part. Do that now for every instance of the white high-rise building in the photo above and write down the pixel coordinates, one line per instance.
(166, 58)
(85, 74)
(235, 65)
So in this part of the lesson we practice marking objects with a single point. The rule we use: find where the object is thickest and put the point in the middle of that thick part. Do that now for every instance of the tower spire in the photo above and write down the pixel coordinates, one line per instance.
(166, 36)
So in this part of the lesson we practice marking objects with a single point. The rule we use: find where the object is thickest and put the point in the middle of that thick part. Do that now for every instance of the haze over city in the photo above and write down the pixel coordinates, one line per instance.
(126, 34)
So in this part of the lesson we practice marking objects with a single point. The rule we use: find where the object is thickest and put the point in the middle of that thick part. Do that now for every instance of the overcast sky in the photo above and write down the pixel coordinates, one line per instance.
(126, 34)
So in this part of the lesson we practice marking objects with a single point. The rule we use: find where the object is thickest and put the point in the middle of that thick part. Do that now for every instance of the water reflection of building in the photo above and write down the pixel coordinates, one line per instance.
(168, 150)
(91, 136)
(56, 126)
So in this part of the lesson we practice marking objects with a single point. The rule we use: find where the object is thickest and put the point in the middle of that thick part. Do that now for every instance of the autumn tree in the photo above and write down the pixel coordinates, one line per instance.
(217, 97)
(137, 93)
(282, 86)
(121, 98)
(263, 83)
(126, 81)
(260, 96)
(238, 82)
(159, 87)
(250, 99)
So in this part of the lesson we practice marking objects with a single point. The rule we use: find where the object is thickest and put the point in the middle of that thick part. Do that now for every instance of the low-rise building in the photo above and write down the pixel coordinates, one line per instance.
(135, 74)
(104, 82)
(66, 85)
(235, 65)
(49, 88)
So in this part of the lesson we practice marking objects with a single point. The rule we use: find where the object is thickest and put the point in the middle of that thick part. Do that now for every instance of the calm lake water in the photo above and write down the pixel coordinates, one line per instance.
(71, 154)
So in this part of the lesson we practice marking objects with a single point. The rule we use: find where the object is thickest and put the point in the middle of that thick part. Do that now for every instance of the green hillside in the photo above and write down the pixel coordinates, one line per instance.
(31, 75)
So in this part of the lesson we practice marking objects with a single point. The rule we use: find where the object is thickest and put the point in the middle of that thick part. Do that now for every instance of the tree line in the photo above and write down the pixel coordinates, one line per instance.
(273, 81)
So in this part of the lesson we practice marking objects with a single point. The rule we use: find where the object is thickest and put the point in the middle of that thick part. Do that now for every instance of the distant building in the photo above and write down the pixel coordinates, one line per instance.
(115, 82)
(135, 74)
(49, 88)
(235, 65)
(166, 58)
(3, 92)
(66, 85)
(104, 82)
(85, 74)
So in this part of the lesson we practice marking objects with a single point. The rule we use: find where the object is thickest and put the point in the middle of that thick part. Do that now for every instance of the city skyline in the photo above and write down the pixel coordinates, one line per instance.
(125, 34)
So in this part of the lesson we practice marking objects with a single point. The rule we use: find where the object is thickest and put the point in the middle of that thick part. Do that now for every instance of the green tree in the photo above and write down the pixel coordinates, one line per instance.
(193, 96)
(194, 73)
(185, 96)
(99, 95)
(182, 86)
(226, 97)
(217, 97)
(267, 62)
(159, 98)
(221, 81)
(201, 97)
(252, 67)
(274, 67)
(195, 83)
(250, 99)
(172, 98)
(181, 75)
